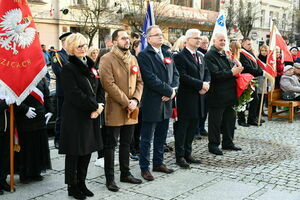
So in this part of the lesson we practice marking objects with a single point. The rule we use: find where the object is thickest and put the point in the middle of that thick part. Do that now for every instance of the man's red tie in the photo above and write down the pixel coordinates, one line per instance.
(195, 57)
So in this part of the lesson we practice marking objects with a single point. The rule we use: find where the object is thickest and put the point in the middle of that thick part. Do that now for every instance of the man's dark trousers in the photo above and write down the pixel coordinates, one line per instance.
(110, 142)
(184, 133)
(59, 103)
(221, 120)
(159, 130)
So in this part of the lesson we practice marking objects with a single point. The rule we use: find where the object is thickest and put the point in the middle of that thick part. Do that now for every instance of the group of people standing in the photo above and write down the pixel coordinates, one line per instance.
(110, 97)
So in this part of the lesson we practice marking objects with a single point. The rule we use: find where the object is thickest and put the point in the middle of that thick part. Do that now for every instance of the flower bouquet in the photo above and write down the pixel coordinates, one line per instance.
(245, 88)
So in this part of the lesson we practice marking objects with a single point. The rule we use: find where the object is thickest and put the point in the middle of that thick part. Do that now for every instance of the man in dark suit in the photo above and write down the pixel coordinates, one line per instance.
(221, 96)
(248, 60)
(194, 83)
(59, 59)
(160, 80)
(204, 42)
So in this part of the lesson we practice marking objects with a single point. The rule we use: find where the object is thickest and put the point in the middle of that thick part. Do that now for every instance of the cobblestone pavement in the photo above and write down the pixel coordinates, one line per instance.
(267, 168)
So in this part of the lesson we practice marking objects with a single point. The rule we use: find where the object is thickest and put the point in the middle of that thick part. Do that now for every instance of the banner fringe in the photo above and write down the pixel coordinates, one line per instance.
(10, 96)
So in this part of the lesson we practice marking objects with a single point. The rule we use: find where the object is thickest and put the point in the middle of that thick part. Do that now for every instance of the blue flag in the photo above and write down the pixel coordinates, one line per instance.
(149, 21)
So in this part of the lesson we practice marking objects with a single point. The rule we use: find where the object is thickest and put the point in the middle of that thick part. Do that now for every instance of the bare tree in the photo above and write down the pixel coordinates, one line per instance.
(91, 16)
(135, 10)
(242, 14)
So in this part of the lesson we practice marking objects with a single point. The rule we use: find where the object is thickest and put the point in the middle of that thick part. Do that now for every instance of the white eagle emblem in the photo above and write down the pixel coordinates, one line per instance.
(16, 33)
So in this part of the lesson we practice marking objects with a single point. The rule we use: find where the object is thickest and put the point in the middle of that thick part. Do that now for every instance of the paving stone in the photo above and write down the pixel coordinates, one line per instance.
(225, 190)
(177, 183)
(279, 195)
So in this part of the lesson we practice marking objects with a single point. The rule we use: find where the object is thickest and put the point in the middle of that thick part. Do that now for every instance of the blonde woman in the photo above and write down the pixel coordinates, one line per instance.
(93, 53)
(263, 54)
(83, 104)
(235, 49)
(178, 45)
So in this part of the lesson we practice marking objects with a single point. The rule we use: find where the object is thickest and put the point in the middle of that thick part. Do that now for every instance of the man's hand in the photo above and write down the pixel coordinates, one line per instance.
(202, 91)
(100, 108)
(205, 86)
(30, 113)
(94, 115)
(132, 104)
(164, 98)
(237, 70)
(48, 116)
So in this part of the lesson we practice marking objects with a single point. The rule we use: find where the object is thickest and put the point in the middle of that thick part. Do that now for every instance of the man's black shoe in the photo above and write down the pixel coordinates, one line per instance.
(56, 144)
(215, 151)
(234, 148)
(197, 136)
(5, 186)
(182, 163)
(244, 124)
(131, 179)
(190, 159)
(112, 186)
(262, 121)
(1, 192)
(253, 123)
(204, 133)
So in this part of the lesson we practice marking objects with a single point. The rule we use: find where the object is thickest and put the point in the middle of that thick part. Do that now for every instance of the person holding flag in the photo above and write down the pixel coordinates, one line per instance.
(249, 62)
(21, 58)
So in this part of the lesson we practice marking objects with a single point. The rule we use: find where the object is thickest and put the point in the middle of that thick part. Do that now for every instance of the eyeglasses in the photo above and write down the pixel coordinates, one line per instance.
(81, 47)
(157, 35)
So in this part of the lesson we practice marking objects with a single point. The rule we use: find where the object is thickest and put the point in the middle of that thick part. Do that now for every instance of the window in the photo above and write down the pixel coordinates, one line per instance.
(186, 3)
(213, 5)
(79, 2)
(262, 18)
(175, 33)
(270, 18)
(283, 22)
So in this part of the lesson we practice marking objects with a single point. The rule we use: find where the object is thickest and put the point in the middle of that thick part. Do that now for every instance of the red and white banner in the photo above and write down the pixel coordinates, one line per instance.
(22, 64)
(286, 55)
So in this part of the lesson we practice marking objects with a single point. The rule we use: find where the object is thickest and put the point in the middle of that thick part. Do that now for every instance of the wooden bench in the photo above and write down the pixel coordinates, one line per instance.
(274, 99)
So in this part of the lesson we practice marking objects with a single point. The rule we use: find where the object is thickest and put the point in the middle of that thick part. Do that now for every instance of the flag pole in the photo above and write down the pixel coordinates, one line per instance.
(12, 187)
(261, 101)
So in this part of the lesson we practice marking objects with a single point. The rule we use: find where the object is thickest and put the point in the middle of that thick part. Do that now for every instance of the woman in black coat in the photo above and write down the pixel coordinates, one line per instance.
(83, 103)
(34, 156)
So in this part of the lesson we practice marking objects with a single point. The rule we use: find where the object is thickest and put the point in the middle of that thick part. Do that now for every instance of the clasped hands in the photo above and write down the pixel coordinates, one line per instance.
(205, 88)
(164, 98)
(96, 113)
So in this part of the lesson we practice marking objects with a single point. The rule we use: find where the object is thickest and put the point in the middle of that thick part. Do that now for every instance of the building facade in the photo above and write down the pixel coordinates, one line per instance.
(54, 17)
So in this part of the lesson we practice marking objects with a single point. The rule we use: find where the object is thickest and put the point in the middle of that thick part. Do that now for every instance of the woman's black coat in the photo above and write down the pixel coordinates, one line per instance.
(80, 135)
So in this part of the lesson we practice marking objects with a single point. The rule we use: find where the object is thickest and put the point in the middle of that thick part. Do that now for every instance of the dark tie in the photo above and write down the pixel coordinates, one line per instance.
(195, 58)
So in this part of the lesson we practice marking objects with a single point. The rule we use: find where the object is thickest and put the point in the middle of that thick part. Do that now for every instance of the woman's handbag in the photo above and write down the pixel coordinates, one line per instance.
(288, 96)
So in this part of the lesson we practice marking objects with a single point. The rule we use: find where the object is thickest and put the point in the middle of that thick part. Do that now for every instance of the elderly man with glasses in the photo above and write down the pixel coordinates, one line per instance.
(194, 83)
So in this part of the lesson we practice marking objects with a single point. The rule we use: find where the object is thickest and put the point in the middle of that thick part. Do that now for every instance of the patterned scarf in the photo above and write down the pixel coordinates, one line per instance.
(124, 56)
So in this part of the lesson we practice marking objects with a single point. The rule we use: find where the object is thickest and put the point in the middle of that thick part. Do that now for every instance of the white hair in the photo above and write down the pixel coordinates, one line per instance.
(190, 32)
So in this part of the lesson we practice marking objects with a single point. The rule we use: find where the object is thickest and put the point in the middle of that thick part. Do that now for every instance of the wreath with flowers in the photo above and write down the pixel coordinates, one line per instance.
(245, 98)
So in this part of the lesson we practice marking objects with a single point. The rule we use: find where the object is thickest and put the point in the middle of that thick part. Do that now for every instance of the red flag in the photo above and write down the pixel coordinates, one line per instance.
(22, 64)
(286, 55)
(271, 58)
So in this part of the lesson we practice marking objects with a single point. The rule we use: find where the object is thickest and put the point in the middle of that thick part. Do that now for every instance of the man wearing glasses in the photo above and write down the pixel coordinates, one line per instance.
(123, 85)
(160, 80)
(194, 83)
